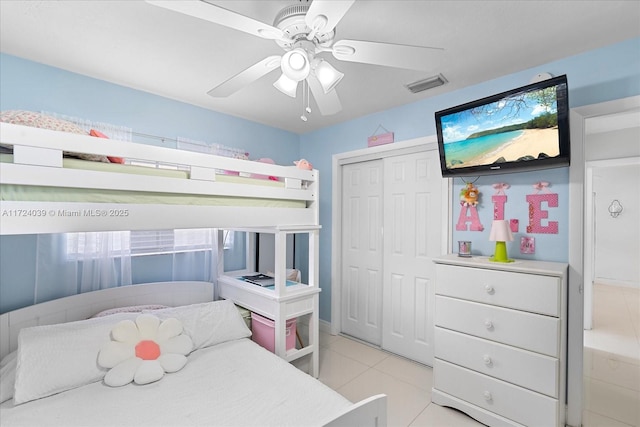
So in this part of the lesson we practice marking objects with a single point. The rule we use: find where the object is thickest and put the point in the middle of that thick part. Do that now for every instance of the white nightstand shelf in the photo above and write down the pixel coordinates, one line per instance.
(281, 302)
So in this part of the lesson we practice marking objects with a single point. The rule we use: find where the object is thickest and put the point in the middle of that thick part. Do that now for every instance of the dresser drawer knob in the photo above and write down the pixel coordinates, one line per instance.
(487, 360)
(489, 289)
(488, 324)
(487, 396)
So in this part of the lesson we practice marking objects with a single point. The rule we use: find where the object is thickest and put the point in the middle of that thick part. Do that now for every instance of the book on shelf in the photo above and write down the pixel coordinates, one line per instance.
(260, 280)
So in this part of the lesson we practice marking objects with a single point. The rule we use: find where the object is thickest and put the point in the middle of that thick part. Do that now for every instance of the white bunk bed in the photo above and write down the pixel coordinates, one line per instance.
(43, 192)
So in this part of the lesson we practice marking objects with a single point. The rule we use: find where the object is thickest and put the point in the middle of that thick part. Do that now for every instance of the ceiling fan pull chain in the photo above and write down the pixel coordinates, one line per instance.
(303, 117)
(308, 109)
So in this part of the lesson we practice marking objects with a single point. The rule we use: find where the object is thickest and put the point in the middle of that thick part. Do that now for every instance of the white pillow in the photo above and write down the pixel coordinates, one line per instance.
(8, 375)
(208, 323)
(55, 358)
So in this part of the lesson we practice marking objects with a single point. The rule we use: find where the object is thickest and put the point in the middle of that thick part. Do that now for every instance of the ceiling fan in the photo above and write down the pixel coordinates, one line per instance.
(305, 30)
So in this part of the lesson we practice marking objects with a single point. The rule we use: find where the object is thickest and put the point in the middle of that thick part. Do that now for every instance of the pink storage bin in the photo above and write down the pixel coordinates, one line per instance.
(263, 332)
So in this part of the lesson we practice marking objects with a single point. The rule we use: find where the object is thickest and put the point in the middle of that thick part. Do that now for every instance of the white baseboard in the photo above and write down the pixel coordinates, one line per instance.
(324, 326)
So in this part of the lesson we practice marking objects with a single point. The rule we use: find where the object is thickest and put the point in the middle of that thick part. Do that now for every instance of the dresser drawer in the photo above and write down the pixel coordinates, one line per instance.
(529, 331)
(522, 291)
(510, 401)
(534, 371)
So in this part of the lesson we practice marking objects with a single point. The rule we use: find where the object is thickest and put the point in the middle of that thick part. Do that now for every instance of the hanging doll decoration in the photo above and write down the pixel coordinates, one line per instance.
(469, 196)
(536, 214)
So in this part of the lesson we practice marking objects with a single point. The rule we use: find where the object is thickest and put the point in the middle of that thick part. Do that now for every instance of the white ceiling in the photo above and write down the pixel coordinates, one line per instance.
(142, 46)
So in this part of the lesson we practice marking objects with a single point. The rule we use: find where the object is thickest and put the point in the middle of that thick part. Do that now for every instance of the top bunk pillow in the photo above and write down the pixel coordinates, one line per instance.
(99, 134)
(208, 323)
(42, 121)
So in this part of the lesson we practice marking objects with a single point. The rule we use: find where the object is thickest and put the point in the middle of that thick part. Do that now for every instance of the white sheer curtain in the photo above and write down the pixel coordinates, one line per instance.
(72, 263)
(194, 255)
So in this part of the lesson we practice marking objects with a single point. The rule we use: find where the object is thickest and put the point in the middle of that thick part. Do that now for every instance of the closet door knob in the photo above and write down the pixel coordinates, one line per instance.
(487, 396)
(489, 289)
(487, 360)
(488, 324)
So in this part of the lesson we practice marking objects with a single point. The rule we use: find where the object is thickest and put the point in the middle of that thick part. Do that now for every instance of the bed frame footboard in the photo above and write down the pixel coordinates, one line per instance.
(369, 412)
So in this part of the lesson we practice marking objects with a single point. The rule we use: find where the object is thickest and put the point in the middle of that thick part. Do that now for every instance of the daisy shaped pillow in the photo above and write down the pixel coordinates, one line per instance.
(142, 351)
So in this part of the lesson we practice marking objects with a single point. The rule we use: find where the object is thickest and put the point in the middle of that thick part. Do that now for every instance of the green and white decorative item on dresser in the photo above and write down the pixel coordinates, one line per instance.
(501, 234)
(500, 340)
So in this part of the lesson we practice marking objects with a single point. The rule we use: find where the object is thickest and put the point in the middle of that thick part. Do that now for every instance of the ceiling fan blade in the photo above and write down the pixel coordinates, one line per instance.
(246, 77)
(328, 103)
(387, 54)
(324, 15)
(212, 13)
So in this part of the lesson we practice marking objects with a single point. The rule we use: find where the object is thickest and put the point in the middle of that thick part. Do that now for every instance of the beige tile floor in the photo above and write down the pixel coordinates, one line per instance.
(612, 359)
(357, 371)
(611, 371)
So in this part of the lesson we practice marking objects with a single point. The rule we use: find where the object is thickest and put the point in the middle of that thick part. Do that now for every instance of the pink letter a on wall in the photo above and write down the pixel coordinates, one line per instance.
(469, 214)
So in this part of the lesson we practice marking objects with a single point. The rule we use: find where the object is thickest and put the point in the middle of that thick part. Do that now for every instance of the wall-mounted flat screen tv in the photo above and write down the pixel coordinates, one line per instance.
(522, 129)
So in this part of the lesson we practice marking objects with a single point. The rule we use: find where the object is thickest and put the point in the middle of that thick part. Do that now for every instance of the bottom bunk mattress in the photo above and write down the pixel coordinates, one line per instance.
(234, 383)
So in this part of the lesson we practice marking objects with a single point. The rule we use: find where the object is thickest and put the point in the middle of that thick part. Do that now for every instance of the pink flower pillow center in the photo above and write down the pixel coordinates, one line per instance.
(147, 350)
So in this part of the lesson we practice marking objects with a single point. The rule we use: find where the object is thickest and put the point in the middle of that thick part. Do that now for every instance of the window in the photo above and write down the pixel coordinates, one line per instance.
(148, 242)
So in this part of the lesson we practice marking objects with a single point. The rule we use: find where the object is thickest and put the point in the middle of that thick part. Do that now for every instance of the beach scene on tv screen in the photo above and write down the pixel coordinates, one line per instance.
(521, 127)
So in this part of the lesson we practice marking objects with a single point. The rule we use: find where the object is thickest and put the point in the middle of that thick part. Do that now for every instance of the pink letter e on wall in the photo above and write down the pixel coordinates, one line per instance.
(536, 214)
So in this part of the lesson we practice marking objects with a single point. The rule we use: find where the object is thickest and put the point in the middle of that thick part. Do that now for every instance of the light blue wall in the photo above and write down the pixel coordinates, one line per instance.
(595, 76)
(17, 271)
(549, 247)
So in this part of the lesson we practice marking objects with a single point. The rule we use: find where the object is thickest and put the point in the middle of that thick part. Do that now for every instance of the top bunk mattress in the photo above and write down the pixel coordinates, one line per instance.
(39, 193)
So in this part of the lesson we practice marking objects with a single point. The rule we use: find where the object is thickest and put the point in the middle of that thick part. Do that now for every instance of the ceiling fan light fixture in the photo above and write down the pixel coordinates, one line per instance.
(327, 75)
(287, 86)
(295, 64)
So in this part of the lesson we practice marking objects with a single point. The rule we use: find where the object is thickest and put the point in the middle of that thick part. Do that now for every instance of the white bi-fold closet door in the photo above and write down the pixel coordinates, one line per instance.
(391, 216)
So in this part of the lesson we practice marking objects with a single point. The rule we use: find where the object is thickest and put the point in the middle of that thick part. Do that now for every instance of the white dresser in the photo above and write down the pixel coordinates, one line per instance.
(500, 340)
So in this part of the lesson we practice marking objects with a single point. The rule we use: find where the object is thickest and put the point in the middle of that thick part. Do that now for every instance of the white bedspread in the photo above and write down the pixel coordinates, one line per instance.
(236, 383)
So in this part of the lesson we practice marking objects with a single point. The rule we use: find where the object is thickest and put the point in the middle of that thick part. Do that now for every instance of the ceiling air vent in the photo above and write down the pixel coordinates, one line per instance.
(428, 83)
